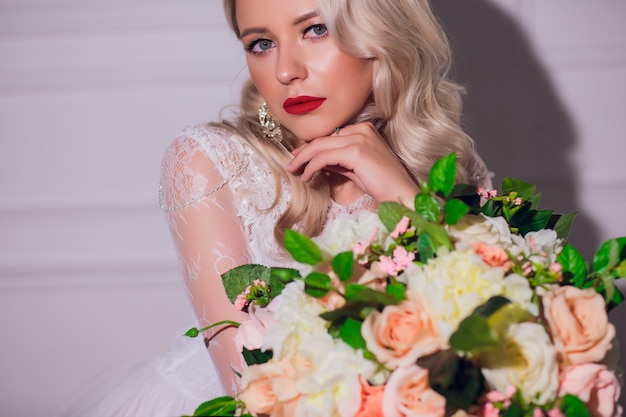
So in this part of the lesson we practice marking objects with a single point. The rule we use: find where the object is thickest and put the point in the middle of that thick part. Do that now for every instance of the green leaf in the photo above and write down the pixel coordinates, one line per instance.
(611, 253)
(397, 290)
(428, 206)
(301, 248)
(457, 379)
(362, 298)
(454, 210)
(424, 248)
(391, 213)
(522, 188)
(343, 264)
(279, 277)
(492, 305)
(574, 266)
(350, 332)
(238, 279)
(221, 406)
(573, 406)
(317, 284)
(256, 356)
(561, 224)
(443, 174)
(467, 193)
(531, 220)
(474, 334)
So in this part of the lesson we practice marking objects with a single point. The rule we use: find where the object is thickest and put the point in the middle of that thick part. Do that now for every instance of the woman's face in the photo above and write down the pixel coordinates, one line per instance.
(310, 85)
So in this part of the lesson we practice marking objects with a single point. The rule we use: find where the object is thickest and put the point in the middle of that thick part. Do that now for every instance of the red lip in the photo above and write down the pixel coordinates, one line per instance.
(302, 104)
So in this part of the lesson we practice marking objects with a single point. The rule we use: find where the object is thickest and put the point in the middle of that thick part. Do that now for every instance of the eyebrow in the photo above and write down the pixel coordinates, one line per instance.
(296, 22)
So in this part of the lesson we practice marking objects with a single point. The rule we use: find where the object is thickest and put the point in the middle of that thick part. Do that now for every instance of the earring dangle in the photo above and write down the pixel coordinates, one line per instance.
(270, 127)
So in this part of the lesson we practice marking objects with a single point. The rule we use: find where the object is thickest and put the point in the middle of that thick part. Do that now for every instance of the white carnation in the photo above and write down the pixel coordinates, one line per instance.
(453, 285)
(541, 247)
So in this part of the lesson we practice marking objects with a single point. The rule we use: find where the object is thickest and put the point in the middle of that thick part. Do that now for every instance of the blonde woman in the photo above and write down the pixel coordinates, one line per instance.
(348, 105)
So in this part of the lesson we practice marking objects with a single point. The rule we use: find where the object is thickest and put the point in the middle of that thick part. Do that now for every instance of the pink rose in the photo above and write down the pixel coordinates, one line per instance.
(407, 394)
(371, 400)
(578, 324)
(251, 332)
(595, 385)
(401, 334)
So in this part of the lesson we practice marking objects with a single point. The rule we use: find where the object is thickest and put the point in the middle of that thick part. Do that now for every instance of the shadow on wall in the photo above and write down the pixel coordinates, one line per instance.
(514, 115)
(512, 110)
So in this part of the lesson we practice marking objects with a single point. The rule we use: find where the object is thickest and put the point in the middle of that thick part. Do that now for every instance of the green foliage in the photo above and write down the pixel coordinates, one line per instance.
(574, 266)
(454, 210)
(343, 264)
(456, 379)
(475, 333)
(573, 406)
(317, 284)
(350, 333)
(519, 187)
(257, 356)
(301, 248)
(238, 279)
(221, 406)
(443, 174)
(428, 206)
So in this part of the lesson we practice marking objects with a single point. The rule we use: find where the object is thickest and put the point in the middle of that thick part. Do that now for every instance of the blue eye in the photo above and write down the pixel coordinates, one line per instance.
(260, 46)
(316, 31)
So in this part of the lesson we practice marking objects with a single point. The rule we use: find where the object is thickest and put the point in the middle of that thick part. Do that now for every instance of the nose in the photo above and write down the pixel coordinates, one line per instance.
(291, 64)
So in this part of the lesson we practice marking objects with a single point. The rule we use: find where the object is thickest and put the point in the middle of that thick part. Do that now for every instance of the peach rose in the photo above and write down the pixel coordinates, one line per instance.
(578, 324)
(407, 394)
(371, 400)
(595, 385)
(492, 255)
(269, 388)
(401, 334)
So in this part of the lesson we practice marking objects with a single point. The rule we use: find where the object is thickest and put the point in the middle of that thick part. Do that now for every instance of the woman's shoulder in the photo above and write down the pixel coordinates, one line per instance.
(203, 159)
(212, 145)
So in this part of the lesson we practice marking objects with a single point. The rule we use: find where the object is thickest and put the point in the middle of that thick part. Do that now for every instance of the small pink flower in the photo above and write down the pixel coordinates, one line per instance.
(401, 227)
(518, 201)
(361, 247)
(537, 412)
(555, 412)
(483, 192)
(402, 258)
(387, 265)
(489, 410)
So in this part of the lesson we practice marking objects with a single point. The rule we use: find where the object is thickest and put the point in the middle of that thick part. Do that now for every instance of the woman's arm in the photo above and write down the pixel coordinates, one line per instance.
(210, 240)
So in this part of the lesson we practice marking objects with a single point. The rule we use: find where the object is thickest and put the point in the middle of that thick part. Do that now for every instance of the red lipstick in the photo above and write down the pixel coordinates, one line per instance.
(302, 104)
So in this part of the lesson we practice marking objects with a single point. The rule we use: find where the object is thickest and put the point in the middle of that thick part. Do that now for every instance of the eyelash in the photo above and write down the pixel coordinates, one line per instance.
(252, 45)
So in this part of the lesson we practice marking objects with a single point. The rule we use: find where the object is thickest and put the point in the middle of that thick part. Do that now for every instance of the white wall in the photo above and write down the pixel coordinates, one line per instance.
(92, 92)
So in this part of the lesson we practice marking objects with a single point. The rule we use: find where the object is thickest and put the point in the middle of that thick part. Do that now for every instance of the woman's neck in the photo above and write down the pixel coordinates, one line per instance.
(342, 190)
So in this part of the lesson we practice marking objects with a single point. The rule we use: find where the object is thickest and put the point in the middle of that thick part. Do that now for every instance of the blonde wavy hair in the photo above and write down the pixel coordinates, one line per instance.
(415, 106)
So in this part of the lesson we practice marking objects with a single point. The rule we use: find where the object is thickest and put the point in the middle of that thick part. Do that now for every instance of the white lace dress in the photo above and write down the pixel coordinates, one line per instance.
(216, 192)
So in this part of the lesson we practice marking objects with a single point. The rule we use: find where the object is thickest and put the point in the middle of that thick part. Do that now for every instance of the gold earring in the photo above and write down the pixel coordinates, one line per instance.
(270, 127)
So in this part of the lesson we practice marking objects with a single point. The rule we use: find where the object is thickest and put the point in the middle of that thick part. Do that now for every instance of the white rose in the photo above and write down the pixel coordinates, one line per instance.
(491, 230)
(526, 360)
(517, 289)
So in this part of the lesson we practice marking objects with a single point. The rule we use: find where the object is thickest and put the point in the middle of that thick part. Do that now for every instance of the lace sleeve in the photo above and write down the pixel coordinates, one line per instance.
(201, 213)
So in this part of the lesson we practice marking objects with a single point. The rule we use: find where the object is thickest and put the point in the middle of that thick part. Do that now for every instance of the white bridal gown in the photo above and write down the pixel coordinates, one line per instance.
(236, 230)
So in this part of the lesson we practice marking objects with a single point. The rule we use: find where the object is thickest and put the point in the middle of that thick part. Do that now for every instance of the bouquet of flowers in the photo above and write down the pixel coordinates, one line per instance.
(471, 304)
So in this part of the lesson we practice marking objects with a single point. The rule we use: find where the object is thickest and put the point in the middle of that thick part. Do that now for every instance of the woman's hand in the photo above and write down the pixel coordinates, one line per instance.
(359, 153)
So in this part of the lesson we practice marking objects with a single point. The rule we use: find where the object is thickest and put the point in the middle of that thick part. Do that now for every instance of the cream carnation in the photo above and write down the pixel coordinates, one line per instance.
(526, 360)
(453, 285)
